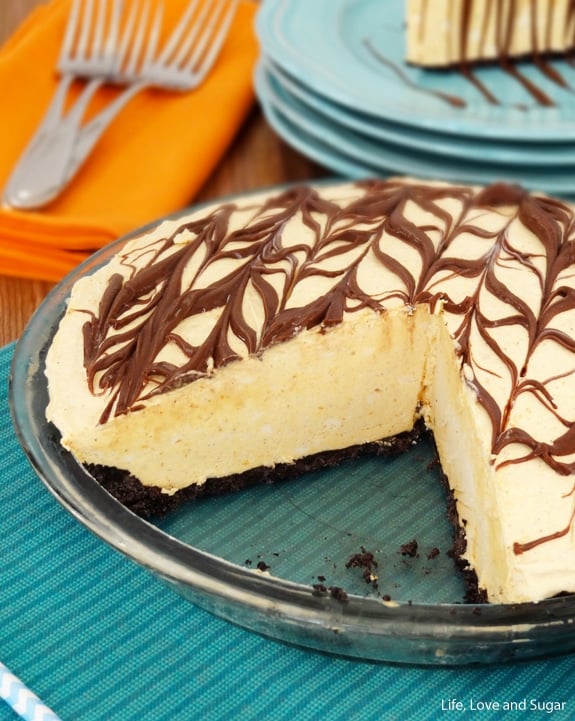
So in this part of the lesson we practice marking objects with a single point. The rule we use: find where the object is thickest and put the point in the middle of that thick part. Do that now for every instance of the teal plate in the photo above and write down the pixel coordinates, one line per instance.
(355, 155)
(480, 150)
(337, 46)
(302, 534)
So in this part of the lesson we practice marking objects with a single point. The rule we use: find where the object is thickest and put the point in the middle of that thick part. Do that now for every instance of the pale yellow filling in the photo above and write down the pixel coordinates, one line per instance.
(366, 376)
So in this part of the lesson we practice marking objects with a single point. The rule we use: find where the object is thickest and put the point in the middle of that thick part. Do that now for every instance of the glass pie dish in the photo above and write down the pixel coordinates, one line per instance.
(353, 561)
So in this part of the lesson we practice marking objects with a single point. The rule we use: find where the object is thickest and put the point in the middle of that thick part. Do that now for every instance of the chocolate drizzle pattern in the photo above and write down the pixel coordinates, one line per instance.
(222, 271)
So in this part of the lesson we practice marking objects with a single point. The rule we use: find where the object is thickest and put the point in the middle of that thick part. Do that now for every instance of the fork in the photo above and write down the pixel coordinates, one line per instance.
(130, 58)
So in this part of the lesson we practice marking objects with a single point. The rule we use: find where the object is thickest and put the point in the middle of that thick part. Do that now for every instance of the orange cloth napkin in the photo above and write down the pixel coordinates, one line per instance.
(151, 161)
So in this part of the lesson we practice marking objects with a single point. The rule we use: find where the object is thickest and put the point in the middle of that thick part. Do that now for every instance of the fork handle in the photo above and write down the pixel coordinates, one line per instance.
(91, 133)
(58, 151)
(37, 177)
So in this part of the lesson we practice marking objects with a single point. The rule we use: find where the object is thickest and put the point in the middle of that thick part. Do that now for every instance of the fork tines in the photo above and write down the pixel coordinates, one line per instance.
(91, 38)
(102, 40)
(198, 37)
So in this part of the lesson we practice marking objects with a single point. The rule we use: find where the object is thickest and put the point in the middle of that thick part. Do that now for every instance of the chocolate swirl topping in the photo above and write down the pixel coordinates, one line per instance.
(256, 275)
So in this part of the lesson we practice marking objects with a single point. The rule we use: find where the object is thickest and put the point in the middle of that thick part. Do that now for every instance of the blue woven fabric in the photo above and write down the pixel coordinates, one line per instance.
(100, 639)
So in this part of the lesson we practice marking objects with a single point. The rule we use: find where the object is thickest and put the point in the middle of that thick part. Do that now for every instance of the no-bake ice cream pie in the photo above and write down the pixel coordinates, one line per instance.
(258, 337)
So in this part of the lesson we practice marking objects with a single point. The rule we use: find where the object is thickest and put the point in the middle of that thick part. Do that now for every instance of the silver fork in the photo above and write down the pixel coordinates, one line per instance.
(96, 45)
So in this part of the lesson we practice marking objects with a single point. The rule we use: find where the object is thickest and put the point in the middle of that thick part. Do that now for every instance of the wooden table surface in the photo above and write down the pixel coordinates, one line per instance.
(258, 158)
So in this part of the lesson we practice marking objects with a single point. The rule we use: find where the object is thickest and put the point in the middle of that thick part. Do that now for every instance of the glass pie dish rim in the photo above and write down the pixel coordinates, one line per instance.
(364, 628)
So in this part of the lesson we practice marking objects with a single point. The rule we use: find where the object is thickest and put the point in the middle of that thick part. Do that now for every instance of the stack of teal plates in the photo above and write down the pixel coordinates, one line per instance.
(333, 82)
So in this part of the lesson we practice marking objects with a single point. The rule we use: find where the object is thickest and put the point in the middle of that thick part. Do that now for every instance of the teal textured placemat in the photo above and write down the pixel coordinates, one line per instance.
(100, 639)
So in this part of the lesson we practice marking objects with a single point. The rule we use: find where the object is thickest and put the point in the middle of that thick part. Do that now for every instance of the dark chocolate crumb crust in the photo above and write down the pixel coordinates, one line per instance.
(409, 548)
(340, 594)
(474, 593)
(150, 502)
(366, 561)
